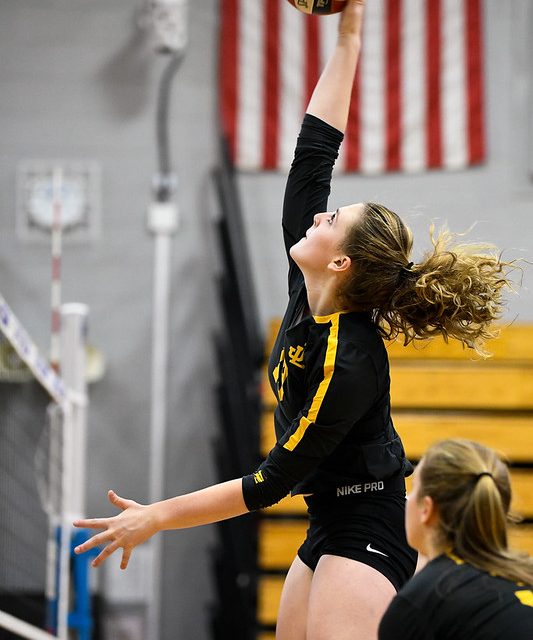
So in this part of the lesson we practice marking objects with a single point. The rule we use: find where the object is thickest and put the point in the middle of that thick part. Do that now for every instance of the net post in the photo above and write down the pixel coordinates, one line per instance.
(73, 369)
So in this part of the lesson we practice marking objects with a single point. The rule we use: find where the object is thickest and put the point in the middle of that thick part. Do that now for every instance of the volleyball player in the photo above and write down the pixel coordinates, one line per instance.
(351, 282)
(474, 587)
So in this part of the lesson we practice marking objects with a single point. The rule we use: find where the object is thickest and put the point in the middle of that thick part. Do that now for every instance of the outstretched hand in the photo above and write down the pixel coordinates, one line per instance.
(132, 527)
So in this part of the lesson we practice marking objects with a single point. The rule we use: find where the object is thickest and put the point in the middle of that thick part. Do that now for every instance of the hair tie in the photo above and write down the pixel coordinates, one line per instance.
(484, 473)
(406, 270)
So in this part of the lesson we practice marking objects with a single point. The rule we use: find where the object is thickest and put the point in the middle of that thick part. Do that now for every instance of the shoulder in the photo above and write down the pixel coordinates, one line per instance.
(359, 339)
(359, 330)
(351, 339)
(337, 352)
(413, 607)
(422, 584)
(408, 616)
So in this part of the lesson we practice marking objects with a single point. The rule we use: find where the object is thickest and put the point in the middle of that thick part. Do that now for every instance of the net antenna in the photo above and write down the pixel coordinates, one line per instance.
(56, 233)
(167, 21)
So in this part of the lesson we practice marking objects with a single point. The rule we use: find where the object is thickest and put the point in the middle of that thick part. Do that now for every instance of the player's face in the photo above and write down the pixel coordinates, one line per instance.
(322, 241)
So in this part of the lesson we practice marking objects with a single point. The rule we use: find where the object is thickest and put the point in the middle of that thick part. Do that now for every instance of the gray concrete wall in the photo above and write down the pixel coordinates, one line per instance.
(76, 83)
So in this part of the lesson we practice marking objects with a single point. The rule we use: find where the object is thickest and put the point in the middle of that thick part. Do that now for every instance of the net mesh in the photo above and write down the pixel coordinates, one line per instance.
(30, 494)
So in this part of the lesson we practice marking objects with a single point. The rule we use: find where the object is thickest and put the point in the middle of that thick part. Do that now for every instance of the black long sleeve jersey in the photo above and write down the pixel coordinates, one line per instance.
(451, 600)
(330, 374)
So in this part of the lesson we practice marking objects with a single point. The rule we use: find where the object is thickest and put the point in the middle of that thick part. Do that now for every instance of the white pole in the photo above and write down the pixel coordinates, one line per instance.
(73, 350)
(163, 222)
(169, 23)
(73, 370)
(23, 629)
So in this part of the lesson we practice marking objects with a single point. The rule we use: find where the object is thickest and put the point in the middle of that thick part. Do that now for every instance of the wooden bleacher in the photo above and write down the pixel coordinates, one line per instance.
(438, 391)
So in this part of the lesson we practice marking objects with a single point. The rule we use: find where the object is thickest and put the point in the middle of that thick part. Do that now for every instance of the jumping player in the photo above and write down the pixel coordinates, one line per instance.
(474, 587)
(351, 282)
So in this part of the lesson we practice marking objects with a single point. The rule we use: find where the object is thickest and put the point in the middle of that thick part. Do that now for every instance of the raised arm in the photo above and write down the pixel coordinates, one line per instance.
(331, 98)
(308, 184)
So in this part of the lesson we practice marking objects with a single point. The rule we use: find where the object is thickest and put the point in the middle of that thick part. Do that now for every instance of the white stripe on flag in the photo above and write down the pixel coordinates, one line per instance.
(292, 41)
(413, 151)
(376, 106)
(373, 89)
(453, 85)
(250, 89)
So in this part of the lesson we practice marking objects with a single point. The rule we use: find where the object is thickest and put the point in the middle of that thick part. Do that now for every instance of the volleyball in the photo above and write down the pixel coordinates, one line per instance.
(319, 7)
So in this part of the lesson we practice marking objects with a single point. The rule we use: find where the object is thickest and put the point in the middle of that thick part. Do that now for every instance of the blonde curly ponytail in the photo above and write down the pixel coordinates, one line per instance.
(456, 290)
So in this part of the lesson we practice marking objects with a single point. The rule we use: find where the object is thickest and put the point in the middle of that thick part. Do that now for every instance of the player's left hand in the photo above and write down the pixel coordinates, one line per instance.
(132, 527)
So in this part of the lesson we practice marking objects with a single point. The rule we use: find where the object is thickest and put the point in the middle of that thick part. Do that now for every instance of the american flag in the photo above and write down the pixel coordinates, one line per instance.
(417, 102)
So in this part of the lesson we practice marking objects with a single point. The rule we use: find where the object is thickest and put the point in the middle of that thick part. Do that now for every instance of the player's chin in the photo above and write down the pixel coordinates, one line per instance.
(297, 250)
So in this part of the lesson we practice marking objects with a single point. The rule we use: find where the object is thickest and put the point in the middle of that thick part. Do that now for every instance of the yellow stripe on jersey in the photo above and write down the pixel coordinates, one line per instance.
(455, 558)
(525, 597)
(329, 365)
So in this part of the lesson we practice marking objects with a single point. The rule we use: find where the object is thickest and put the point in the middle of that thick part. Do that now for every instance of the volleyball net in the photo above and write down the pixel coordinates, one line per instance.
(42, 448)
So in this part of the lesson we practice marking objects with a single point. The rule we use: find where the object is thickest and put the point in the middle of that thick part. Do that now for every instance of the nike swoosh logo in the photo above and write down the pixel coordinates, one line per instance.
(369, 548)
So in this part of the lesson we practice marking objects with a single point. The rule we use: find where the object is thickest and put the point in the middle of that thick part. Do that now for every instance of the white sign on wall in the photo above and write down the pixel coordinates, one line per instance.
(51, 190)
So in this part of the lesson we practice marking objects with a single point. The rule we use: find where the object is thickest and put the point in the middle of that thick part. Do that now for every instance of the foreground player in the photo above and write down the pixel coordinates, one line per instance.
(351, 281)
(474, 587)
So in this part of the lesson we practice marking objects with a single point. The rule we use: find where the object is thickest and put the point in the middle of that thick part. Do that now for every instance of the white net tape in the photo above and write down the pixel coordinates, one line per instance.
(29, 354)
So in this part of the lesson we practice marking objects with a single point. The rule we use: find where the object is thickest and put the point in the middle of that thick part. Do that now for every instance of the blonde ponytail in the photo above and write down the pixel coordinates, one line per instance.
(471, 488)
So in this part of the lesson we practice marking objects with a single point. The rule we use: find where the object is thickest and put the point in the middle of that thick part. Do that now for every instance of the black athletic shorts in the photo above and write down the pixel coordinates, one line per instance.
(368, 528)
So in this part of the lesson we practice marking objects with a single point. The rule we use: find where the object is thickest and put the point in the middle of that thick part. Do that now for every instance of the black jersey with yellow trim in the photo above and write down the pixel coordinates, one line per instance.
(330, 374)
(452, 600)
(332, 420)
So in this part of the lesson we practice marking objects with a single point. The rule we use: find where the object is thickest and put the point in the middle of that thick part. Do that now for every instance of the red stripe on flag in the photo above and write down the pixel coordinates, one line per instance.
(474, 80)
(311, 56)
(227, 72)
(352, 137)
(433, 79)
(271, 84)
(393, 80)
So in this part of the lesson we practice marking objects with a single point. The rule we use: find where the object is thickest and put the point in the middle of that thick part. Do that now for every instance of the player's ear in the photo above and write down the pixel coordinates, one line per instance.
(340, 263)
(428, 510)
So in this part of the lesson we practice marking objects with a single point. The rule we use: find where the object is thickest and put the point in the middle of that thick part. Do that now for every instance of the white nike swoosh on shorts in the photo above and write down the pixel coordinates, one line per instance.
(369, 548)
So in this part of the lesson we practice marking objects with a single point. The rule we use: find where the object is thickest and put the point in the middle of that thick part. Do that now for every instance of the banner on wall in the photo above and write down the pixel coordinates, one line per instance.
(417, 102)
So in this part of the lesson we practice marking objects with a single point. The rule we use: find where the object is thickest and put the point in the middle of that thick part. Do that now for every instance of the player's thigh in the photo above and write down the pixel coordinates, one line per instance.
(292, 613)
(347, 600)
